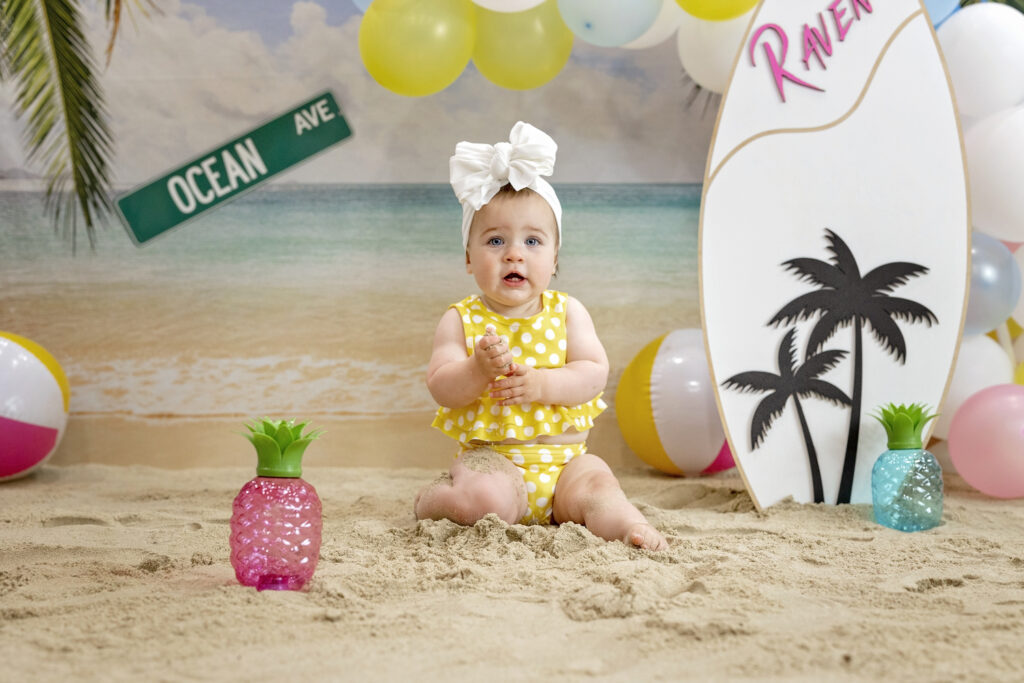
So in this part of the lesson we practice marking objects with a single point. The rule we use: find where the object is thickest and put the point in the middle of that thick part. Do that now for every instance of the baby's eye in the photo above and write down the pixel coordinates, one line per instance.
(495, 242)
(532, 242)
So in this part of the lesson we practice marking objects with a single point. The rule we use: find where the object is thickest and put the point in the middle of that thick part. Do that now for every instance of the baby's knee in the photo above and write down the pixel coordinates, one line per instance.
(481, 495)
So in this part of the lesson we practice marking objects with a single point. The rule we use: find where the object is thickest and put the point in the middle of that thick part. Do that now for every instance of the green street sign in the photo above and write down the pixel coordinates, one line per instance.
(222, 174)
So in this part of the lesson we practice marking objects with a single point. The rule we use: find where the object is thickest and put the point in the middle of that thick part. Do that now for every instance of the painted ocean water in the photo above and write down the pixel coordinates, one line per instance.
(316, 299)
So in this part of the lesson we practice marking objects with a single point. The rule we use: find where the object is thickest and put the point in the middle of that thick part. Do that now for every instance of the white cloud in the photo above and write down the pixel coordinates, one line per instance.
(180, 84)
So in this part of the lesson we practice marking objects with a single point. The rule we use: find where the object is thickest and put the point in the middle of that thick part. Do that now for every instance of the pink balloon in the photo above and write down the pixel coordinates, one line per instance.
(986, 441)
(723, 460)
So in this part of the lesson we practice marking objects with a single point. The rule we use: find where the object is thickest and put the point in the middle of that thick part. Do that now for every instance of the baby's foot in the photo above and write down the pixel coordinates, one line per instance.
(645, 536)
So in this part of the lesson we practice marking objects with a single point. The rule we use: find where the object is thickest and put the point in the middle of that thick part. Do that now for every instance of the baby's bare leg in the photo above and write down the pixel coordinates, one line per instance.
(588, 493)
(479, 482)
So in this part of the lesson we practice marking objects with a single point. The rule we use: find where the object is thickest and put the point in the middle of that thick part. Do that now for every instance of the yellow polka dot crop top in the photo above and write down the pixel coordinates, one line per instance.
(539, 342)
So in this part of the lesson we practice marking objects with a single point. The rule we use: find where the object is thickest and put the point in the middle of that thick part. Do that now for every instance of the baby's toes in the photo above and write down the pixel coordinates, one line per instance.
(647, 537)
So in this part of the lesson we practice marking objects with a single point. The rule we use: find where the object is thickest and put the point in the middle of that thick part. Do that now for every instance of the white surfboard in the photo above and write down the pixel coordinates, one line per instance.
(834, 241)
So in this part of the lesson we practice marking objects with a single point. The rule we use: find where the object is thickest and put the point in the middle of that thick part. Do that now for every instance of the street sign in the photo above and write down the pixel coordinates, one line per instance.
(223, 173)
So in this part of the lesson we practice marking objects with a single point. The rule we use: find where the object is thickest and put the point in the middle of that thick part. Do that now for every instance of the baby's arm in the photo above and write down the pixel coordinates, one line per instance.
(583, 376)
(455, 379)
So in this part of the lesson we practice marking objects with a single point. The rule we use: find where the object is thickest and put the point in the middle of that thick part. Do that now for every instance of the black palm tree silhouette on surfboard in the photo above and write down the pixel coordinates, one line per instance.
(796, 383)
(847, 298)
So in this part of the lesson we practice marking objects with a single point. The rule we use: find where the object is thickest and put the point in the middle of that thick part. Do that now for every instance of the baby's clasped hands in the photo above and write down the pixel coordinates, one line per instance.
(492, 354)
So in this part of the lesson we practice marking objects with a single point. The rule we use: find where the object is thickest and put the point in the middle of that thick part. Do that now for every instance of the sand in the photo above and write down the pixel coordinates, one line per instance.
(121, 573)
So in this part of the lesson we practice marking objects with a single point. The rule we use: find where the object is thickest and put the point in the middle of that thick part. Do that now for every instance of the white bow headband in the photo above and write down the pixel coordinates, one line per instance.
(478, 171)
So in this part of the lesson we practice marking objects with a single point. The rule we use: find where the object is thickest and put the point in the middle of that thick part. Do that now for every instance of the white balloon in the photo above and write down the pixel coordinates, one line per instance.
(1018, 312)
(665, 25)
(707, 49)
(508, 5)
(995, 165)
(984, 49)
(982, 363)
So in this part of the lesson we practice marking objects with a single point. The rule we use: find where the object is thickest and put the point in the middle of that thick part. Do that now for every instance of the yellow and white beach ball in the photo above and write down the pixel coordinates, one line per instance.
(666, 407)
(34, 397)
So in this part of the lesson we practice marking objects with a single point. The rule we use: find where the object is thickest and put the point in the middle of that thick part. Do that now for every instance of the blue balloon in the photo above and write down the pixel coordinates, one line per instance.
(940, 10)
(995, 284)
(609, 23)
(362, 5)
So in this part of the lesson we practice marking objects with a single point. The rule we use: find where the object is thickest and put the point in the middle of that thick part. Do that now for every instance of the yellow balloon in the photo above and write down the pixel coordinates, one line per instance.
(417, 47)
(1018, 374)
(521, 50)
(716, 10)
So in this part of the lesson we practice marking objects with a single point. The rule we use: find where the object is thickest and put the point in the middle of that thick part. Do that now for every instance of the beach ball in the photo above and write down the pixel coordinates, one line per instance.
(665, 404)
(34, 398)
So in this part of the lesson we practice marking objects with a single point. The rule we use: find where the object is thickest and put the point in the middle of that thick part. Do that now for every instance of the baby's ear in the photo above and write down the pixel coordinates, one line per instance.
(469, 266)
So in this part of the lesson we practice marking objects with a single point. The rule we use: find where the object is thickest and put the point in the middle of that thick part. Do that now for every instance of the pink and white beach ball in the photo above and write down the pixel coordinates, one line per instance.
(34, 398)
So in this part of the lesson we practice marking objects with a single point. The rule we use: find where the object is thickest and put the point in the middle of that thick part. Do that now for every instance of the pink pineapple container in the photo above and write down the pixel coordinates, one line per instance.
(276, 519)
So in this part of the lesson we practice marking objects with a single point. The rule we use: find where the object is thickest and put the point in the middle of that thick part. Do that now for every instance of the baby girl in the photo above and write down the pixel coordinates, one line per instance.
(518, 369)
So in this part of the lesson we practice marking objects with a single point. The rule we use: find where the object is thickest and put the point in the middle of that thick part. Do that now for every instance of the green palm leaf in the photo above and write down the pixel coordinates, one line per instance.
(45, 52)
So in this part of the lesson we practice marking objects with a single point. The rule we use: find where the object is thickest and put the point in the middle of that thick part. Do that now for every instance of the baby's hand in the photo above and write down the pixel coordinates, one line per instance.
(492, 354)
(522, 385)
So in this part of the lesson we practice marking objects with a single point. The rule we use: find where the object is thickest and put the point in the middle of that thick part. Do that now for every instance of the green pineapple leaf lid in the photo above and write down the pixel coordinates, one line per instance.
(279, 446)
(904, 424)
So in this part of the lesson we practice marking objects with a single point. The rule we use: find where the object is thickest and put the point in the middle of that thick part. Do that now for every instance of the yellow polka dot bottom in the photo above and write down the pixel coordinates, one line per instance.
(541, 465)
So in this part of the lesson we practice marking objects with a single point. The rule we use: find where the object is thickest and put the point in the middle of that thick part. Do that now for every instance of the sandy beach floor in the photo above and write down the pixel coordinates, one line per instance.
(121, 573)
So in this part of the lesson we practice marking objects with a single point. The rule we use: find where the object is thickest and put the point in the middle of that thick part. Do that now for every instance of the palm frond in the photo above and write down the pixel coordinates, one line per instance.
(887, 333)
(767, 411)
(814, 271)
(822, 389)
(66, 128)
(905, 309)
(842, 256)
(820, 363)
(753, 382)
(113, 12)
(787, 354)
(828, 325)
(804, 306)
(888, 277)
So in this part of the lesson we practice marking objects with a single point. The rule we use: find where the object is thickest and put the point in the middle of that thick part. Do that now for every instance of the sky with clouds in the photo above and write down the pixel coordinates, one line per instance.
(194, 75)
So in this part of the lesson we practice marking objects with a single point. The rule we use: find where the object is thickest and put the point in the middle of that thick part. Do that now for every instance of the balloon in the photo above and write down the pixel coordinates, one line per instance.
(522, 50)
(707, 49)
(986, 441)
(995, 164)
(609, 23)
(716, 10)
(981, 363)
(723, 461)
(664, 25)
(508, 5)
(940, 10)
(1018, 311)
(417, 47)
(984, 49)
(362, 5)
(665, 404)
(995, 284)
(34, 397)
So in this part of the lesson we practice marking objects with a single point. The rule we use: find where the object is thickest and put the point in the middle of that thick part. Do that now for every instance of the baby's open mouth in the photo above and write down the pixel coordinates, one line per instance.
(514, 277)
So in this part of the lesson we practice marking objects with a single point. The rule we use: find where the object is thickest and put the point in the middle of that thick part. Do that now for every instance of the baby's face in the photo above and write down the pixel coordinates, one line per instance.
(512, 253)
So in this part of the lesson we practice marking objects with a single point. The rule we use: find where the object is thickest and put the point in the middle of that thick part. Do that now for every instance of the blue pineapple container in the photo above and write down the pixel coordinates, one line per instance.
(906, 480)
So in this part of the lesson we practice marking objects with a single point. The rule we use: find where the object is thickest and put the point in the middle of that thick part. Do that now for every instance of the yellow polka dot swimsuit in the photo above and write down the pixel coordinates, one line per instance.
(540, 342)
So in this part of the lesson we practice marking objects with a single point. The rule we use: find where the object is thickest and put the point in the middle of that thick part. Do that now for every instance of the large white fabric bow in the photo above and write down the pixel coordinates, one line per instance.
(478, 171)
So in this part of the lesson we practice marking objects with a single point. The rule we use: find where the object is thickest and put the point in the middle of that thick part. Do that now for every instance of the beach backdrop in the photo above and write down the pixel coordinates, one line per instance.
(316, 295)
(317, 302)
